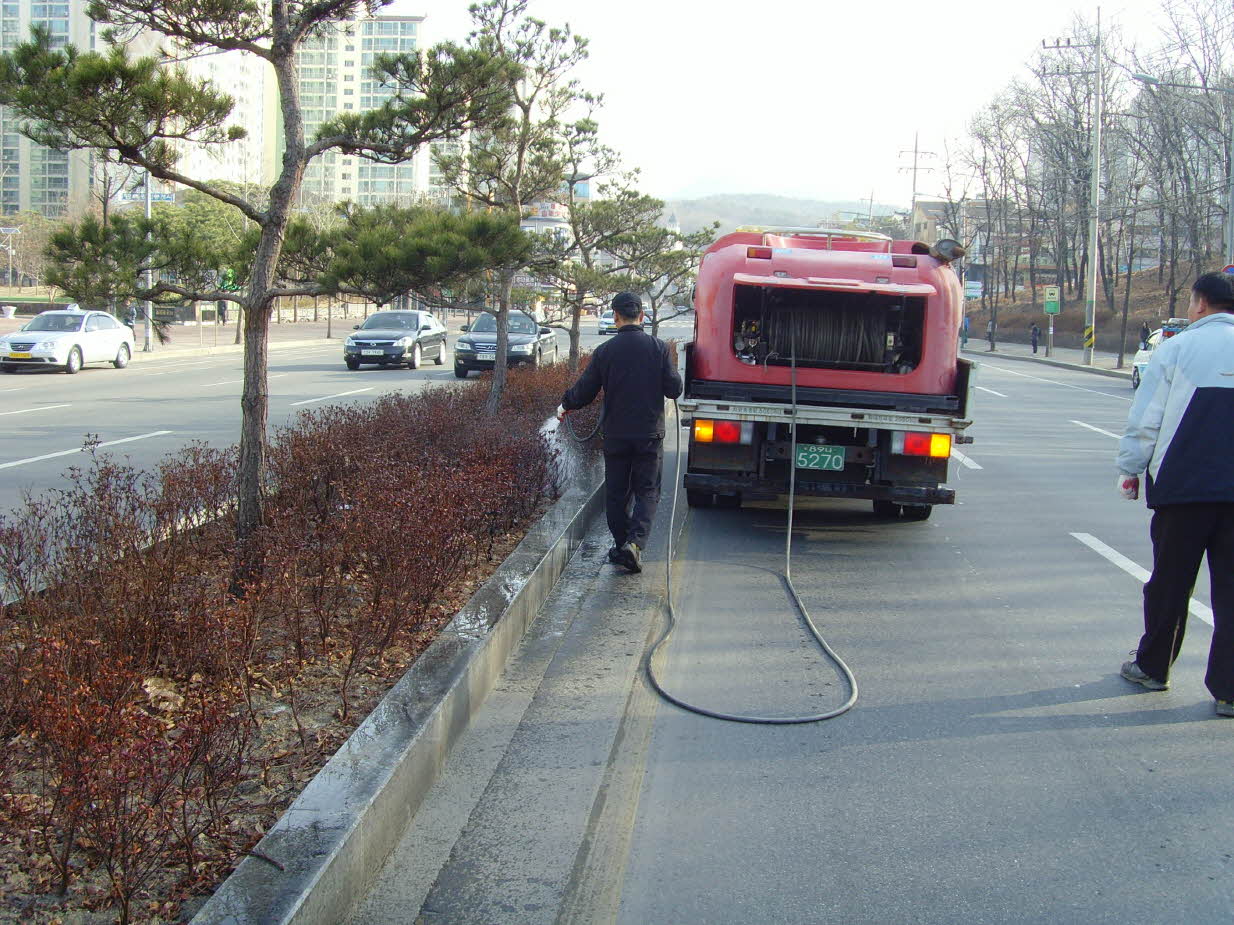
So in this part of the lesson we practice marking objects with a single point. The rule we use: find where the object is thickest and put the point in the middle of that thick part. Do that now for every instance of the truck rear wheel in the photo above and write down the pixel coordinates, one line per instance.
(917, 511)
(699, 498)
(886, 509)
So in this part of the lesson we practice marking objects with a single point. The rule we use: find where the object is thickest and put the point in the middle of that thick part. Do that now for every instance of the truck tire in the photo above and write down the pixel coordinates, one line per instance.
(886, 509)
(699, 498)
(918, 511)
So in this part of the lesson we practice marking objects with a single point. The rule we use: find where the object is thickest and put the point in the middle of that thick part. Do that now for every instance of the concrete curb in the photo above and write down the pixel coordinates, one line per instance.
(1095, 370)
(334, 838)
(169, 353)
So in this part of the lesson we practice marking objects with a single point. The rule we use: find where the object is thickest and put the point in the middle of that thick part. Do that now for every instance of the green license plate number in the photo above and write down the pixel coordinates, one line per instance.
(820, 456)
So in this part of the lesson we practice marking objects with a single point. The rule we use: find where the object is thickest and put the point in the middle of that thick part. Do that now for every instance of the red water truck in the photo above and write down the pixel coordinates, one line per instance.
(849, 337)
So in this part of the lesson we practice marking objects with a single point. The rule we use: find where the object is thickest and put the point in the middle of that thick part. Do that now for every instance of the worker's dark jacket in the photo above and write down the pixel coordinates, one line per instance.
(636, 373)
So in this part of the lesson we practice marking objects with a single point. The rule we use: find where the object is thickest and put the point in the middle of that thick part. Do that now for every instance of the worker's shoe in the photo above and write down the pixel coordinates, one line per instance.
(1132, 672)
(1225, 707)
(631, 557)
(614, 555)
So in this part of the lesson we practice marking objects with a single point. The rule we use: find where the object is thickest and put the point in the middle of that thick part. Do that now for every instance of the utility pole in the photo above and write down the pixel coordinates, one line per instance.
(1094, 191)
(917, 153)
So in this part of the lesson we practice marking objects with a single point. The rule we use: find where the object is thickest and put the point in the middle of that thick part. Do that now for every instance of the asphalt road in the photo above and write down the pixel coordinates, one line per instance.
(156, 406)
(996, 768)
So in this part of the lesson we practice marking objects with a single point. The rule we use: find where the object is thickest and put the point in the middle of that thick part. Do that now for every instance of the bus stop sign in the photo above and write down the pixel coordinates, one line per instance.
(1052, 306)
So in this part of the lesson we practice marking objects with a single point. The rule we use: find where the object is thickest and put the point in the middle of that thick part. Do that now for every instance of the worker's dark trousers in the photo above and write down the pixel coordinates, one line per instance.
(1181, 534)
(631, 487)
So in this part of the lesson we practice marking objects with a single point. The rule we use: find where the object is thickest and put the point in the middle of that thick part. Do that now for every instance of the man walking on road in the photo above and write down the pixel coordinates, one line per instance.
(1034, 336)
(989, 332)
(637, 374)
(1180, 430)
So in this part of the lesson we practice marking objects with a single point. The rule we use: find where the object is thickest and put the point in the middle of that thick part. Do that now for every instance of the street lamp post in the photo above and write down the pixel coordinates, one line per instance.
(1149, 80)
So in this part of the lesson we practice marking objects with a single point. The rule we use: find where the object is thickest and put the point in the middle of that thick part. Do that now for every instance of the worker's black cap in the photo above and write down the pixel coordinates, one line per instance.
(627, 304)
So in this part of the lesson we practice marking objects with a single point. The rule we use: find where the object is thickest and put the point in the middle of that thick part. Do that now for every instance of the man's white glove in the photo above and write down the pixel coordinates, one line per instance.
(561, 413)
(1128, 486)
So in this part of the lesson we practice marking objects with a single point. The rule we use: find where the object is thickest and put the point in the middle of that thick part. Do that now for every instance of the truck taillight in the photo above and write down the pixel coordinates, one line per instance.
(706, 431)
(759, 253)
(903, 260)
(913, 443)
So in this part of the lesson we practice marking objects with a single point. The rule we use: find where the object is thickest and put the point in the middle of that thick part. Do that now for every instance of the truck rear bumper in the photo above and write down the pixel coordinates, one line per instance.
(766, 489)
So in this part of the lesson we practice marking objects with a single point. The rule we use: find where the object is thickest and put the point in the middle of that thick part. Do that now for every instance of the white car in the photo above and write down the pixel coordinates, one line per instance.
(67, 340)
(608, 325)
(1145, 353)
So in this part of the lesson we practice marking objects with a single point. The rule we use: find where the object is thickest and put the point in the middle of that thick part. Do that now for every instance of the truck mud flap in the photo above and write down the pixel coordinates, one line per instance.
(763, 490)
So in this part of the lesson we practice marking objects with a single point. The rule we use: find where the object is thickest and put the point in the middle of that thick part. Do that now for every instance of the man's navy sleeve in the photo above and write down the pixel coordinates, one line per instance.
(669, 375)
(584, 392)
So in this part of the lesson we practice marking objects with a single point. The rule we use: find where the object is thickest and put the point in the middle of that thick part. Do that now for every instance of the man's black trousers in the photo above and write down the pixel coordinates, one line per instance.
(631, 487)
(1182, 534)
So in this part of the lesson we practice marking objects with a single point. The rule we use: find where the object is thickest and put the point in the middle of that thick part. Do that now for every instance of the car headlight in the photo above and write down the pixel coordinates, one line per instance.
(349, 342)
(45, 346)
(522, 348)
(404, 342)
(464, 346)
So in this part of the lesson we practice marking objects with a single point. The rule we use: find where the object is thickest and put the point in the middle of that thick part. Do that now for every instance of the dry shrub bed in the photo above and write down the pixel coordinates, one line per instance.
(154, 724)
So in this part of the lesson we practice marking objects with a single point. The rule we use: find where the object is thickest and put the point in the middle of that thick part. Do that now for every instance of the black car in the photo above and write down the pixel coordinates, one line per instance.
(395, 338)
(528, 344)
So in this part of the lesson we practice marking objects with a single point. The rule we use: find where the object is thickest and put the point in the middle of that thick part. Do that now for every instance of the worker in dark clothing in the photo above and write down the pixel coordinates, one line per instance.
(636, 372)
(1178, 431)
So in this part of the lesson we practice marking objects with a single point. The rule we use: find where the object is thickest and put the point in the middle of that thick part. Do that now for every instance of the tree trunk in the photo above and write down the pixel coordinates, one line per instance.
(254, 405)
(576, 331)
(500, 362)
(1122, 338)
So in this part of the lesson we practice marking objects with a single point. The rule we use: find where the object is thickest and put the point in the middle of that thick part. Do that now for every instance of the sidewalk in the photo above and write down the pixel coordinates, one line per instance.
(1064, 357)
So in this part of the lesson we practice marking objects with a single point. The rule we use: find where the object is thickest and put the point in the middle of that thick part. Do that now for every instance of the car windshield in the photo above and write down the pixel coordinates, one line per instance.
(386, 321)
(55, 322)
(519, 324)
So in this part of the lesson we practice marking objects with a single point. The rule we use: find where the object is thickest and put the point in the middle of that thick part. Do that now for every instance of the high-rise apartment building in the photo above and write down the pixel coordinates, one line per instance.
(336, 77)
(249, 81)
(33, 177)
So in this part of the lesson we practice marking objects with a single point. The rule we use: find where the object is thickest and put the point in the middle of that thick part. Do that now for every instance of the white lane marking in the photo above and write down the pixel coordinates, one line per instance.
(1198, 610)
(961, 458)
(1078, 388)
(991, 391)
(328, 397)
(13, 390)
(28, 410)
(235, 381)
(22, 462)
(1098, 430)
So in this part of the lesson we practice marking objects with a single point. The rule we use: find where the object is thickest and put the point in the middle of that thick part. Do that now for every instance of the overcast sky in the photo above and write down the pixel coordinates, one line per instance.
(806, 98)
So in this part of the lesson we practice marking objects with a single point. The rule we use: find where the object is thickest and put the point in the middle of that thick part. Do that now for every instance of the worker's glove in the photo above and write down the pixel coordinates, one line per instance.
(561, 413)
(1128, 486)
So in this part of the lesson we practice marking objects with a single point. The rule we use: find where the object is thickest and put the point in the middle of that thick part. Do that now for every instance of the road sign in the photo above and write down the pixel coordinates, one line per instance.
(10, 231)
(1052, 303)
(1226, 269)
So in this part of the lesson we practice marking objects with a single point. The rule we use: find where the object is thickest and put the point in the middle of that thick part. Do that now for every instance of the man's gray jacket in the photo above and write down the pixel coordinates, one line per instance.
(1181, 425)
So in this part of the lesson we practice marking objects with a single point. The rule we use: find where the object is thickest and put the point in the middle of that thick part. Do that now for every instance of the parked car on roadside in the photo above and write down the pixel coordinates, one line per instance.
(395, 338)
(528, 344)
(67, 340)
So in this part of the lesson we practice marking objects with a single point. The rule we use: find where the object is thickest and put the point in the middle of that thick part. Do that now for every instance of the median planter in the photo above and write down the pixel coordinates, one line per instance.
(159, 726)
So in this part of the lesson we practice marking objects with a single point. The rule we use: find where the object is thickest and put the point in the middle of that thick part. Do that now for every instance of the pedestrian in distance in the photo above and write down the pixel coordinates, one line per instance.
(221, 306)
(1034, 336)
(1144, 334)
(989, 332)
(637, 373)
(964, 333)
(1179, 432)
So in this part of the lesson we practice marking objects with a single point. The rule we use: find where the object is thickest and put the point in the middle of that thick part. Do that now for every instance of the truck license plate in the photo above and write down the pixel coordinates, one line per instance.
(820, 456)
(372, 353)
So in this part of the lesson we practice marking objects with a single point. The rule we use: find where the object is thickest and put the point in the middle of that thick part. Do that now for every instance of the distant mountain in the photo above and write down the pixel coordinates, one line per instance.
(731, 210)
